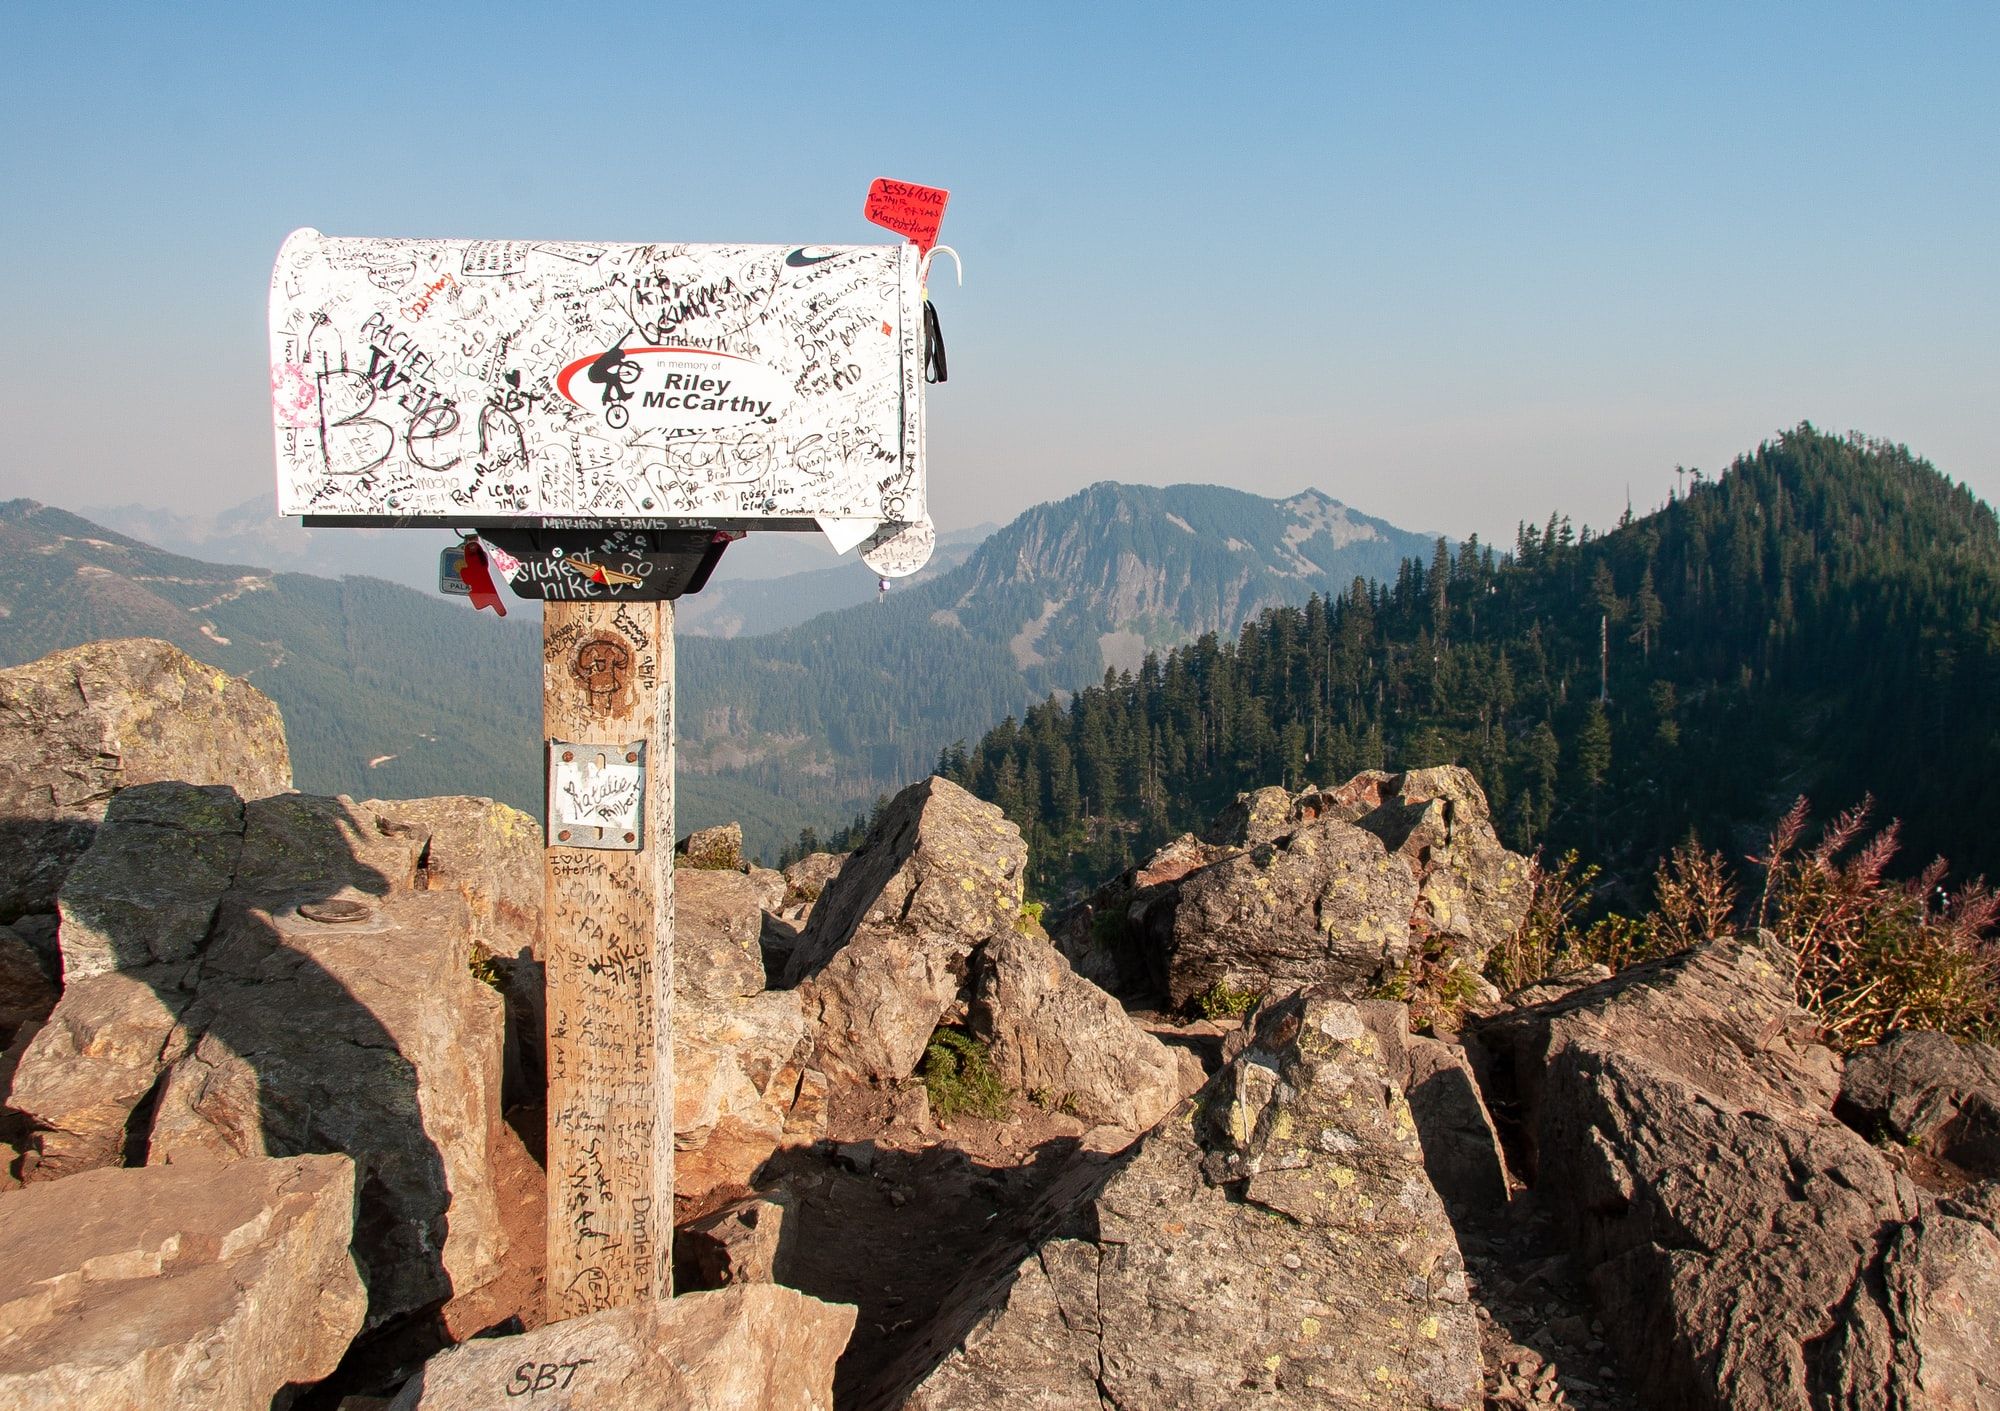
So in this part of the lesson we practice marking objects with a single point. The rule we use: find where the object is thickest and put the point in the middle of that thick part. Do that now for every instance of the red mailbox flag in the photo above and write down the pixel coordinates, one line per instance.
(476, 576)
(907, 209)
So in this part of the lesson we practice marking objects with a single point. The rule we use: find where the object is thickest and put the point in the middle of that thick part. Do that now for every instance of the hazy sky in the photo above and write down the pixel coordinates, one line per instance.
(1454, 264)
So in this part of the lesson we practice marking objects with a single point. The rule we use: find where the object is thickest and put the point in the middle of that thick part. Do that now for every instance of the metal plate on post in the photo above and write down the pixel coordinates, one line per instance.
(597, 795)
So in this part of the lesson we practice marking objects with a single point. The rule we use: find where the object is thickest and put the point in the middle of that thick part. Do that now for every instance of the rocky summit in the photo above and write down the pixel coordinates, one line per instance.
(272, 1071)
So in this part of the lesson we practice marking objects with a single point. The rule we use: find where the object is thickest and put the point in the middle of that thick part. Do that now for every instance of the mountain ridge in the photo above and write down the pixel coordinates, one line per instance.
(1824, 618)
(391, 691)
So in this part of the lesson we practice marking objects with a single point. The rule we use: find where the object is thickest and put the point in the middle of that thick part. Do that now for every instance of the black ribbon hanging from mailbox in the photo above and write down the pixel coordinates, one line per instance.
(934, 370)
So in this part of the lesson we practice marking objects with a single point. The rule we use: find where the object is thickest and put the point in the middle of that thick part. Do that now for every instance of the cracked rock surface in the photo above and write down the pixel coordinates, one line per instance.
(1747, 1250)
(1274, 1238)
(268, 980)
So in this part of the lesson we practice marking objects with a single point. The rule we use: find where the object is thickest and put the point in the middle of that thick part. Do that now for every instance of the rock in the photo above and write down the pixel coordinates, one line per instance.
(1274, 1239)
(1472, 892)
(360, 1031)
(1259, 816)
(776, 940)
(745, 1242)
(938, 863)
(741, 1085)
(1678, 1118)
(874, 1008)
(808, 877)
(1929, 1090)
(884, 956)
(1462, 1150)
(101, 1053)
(146, 891)
(1050, 1031)
(1329, 904)
(719, 848)
(165, 1287)
(1105, 937)
(1555, 987)
(718, 918)
(742, 1089)
(749, 1347)
(769, 886)
(16, 1150)
(79, 725)
(327, 1006)
(1942, 1289)
(27, 989)
(491, 855)
(136, 908)
(487, 852)
(38, 930)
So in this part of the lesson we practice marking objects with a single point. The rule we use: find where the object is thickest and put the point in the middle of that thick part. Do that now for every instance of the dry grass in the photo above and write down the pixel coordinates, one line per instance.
(1870, 953)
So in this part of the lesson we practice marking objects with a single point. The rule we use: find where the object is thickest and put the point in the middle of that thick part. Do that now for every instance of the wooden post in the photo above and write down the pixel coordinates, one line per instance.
(608, 680)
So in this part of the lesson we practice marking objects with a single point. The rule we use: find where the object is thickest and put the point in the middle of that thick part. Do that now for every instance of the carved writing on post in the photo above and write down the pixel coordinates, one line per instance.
(609, 967)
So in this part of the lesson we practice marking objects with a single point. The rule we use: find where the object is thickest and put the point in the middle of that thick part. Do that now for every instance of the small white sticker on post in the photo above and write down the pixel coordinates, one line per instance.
(596, 794)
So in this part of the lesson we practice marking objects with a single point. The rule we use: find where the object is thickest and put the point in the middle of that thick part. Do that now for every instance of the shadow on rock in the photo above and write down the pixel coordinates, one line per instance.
(903, 1235)
(272, 979)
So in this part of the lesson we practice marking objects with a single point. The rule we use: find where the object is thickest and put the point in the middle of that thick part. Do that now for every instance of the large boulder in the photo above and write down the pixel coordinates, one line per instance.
(327, 1006)
(1462, 1147)
(77, 726)
(1051, 1032)
(1472, 893)
(748, 1347)
(168, 1287)
(83, 1073)
(743, 1086)
(884, 956)
(1276, 1239)
(136, 909)
(1326, 903)
(937, 861)
(1932, 1091)
(1106, 937)
(1285, 889)
(719, 848)
(489, 853)
(1747, 1249)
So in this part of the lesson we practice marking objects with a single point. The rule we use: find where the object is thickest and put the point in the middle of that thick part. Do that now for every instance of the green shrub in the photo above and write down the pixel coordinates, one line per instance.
(482, 967)
(1029, 920)
(960, 1079)
(1221, 1000)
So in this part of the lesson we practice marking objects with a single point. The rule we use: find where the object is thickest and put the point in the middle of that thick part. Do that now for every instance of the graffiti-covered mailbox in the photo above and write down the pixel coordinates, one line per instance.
(606, 416)
(596, 423)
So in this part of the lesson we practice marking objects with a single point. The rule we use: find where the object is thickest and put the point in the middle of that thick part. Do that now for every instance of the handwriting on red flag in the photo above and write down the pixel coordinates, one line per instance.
(907, 209)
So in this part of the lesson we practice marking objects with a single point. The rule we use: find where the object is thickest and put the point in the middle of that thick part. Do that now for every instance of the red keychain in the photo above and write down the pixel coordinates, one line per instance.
(474, 573)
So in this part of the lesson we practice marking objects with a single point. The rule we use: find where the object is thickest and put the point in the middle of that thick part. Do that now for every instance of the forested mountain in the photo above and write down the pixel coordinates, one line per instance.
(385, 691)
(1823, 618)
(828, 714)
(392, 692)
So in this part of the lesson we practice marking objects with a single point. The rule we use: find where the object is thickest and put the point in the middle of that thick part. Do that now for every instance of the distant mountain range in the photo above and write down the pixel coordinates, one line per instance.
(735, 604)
(1823, 619)
(773, 582)
(394, 692)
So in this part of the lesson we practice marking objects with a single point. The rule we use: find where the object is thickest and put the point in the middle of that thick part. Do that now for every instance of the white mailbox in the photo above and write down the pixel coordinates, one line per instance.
(565, 386)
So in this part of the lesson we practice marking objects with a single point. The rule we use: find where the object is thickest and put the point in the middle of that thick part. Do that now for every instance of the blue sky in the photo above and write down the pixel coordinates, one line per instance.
(1455, 264)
